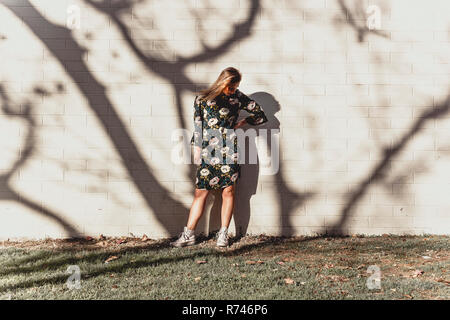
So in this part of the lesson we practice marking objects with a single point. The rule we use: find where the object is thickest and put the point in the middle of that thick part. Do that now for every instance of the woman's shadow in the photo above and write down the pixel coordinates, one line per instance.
(247, 184)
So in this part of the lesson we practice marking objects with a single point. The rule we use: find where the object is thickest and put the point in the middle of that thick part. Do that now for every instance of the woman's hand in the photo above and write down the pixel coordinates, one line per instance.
(240, 124)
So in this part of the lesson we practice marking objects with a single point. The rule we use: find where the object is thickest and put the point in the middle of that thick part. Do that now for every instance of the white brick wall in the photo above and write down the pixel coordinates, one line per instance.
(86, 136)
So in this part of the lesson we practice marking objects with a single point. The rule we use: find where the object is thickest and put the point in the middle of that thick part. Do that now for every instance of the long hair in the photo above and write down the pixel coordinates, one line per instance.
(228, 76)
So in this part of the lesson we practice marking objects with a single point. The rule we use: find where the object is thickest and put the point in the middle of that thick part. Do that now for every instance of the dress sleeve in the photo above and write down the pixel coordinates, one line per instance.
(257, 116)
(197, 136)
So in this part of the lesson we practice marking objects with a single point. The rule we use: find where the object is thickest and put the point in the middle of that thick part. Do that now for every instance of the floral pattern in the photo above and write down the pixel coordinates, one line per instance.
(221, 170)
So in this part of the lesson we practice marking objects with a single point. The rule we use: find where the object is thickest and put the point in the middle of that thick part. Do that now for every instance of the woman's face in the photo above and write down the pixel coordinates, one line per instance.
(231, 88)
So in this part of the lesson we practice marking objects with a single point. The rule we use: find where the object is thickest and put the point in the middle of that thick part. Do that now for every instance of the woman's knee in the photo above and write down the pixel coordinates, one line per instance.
(201, 193)
(228, 192)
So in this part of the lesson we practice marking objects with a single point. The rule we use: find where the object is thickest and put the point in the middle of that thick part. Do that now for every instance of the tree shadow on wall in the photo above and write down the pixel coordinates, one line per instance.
(8, 193)
(379, 173)
(157, 197)
(355, 19)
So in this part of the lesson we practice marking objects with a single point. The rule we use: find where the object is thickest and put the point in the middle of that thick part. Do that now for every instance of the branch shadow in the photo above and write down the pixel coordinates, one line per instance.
(8, 193)
(378, 173)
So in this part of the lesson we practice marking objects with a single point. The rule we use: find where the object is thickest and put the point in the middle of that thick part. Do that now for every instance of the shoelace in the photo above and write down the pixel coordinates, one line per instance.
(183, 235)
(223, 234)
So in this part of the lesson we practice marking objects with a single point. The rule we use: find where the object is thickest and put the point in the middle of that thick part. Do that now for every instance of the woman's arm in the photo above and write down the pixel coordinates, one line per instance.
(257, 116)
(197, 136)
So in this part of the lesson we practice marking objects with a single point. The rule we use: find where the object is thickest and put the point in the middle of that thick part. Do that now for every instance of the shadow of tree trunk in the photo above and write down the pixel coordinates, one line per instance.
(101, 106)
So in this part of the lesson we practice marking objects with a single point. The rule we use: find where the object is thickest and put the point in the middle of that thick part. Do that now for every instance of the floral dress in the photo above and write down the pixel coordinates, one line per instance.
(212, 120)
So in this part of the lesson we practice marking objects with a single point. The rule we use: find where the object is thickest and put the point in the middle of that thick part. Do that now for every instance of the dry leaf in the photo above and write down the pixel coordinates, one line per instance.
(114, 286)
(102, 243)
(201, 261)
(144, 238)
(120, 241)
(259, 262)
(88, 238)
(197, 279)
(446, 282)
(417, 273)
(250, 262)
(288, 281)
(111, 258)
(244, 275)
(280, 263)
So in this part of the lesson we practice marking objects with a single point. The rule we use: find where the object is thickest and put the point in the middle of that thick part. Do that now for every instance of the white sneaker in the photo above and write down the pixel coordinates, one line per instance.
(184, 240)
(222, 240)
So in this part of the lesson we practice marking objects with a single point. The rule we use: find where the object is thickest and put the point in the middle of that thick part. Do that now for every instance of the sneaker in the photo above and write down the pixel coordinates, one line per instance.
(184, 240)
(222, 240)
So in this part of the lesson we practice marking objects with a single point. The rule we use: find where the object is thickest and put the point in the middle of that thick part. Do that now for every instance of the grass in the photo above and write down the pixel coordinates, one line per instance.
(412, 267)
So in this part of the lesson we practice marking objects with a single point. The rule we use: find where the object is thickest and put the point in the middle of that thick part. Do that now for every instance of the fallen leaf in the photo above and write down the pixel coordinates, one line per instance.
(102, 243)
(288, 281)
(201, 261)
(89, 238)
(197, 279)
(144, 238)
(417, 273)
(111, 258)
(360, 266)
(120, 241)
(426, 257)
(408, 296)
(280, 263)
(446, 282)
(259, 262)
(244, 275)
(250, 262)
(302, 283)
(114, 286)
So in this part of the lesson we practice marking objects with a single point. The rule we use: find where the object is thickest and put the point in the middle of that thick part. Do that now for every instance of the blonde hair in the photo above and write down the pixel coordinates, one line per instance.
(228, 76)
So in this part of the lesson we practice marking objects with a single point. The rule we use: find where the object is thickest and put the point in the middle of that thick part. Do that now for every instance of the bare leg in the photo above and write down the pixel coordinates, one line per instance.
(227, 205)
(196, 211)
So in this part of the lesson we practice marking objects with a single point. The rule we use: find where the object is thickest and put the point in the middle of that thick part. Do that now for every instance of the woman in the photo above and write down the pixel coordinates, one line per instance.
(216, 109)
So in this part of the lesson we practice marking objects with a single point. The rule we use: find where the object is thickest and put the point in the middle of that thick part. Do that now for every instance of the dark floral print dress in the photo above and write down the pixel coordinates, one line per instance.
(212, 120)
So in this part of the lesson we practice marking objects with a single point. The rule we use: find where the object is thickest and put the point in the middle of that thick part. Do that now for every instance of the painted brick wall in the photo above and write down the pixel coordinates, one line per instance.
(357, 95)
